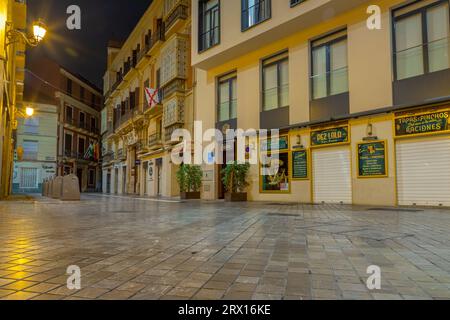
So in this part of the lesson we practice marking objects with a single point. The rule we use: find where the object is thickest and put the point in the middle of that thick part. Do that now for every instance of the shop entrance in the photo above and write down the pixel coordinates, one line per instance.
(332, 175)
(80, 178)
(108, 182)
(229, 154)
(423, 171)
(159, 177)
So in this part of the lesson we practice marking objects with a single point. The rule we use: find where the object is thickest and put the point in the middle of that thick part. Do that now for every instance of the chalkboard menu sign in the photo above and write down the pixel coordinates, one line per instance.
(300, 165)
(372, 161)
(422, 124)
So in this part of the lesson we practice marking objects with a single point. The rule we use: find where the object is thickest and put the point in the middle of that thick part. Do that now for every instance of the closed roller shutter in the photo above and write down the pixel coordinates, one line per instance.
(332, 176)
(423, 172)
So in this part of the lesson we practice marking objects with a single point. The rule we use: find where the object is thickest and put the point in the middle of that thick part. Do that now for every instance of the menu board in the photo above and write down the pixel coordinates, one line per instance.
(300, 164)
(372, 159)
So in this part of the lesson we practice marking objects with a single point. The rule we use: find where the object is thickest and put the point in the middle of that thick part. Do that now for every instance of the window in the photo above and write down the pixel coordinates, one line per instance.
(30, 150)
(81, 146)
(93, 100)
(93, 124)
(254, 12)
(275, 164)
(296, 2)
(82, 120)
(276, 82)
(421, 39)
(69, 114)
(68, 144)
(31, 125)
(209, 24)
(329, 65)
(28, 178)
(91, 180)
(227, 97)
(69, 86)
(81, 93)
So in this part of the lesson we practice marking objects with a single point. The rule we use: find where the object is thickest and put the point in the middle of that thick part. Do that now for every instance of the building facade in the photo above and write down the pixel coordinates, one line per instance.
(148, 95)
(35, 158)
(362, 107)
(13, 15)
(79, 104)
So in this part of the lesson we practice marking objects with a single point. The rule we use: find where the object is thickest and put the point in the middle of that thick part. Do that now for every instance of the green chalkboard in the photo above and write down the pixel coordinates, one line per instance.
(300, 164)
(372, 159)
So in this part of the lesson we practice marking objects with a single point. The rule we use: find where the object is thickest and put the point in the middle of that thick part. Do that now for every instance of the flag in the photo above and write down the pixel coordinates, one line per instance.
(152, 96)
(89, 152)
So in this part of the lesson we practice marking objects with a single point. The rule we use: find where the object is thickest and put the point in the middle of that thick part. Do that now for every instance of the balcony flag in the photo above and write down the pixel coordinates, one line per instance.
(152, 96)
(89, 152)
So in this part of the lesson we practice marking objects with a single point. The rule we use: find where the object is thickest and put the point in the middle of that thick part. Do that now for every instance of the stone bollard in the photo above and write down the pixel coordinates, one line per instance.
(50, 188)
(44, 188)
(57, 187)
(70, 188)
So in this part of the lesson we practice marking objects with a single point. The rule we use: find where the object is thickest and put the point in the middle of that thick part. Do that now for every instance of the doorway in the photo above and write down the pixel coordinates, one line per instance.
(124, 180)
(108, 182)
(80, 178)
(159, 177)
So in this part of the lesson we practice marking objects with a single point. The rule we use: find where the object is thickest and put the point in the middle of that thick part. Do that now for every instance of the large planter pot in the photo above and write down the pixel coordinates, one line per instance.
(236, 196)
(190, 195)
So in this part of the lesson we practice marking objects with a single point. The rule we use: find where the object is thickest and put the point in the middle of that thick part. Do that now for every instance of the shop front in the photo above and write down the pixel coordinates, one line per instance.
(422, 139)
(331, 165)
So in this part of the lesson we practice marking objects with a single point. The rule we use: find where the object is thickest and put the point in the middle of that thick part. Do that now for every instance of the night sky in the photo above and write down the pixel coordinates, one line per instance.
(84, 51)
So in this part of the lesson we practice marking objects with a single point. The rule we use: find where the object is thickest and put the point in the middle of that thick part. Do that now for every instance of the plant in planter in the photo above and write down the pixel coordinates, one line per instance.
(235, 181)
(189, 178)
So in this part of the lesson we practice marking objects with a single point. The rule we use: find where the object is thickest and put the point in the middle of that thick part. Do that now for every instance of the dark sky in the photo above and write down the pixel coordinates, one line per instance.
(84, 51)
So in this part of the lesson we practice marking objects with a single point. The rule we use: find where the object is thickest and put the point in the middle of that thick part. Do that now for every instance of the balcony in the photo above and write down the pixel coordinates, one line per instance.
(120, 155)
(176, 18)
(174, 86)
(154, 141)
(157, 39)
(108, 157)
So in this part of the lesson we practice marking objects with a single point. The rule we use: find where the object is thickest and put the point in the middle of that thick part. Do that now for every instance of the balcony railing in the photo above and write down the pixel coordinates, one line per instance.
(181, 12)
(155, 140)
(177, 85)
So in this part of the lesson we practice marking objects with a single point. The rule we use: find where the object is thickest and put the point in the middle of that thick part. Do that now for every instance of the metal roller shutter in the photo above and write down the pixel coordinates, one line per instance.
(332, 176)
(423, 172)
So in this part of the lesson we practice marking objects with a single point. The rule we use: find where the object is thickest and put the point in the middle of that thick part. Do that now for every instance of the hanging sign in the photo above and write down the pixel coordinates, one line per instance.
(338, 135)
(283, 144)
(372, 161)
(300, 165)
(433, 122)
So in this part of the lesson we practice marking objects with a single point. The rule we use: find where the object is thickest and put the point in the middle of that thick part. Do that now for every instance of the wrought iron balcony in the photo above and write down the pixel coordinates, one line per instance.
(181, 12)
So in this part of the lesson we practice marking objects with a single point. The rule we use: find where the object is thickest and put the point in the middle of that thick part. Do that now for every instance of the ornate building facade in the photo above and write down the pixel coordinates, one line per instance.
(148, 94)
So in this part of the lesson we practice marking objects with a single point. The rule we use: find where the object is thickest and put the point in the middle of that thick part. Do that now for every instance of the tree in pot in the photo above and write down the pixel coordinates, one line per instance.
(189, 179)
(235, 181)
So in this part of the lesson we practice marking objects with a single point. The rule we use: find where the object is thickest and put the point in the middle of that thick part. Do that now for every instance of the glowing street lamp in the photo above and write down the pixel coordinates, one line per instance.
(39, 30)
(29, 111)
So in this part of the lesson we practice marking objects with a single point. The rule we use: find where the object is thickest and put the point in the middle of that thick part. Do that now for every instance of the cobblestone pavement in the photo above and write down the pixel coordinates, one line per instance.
(129, 248)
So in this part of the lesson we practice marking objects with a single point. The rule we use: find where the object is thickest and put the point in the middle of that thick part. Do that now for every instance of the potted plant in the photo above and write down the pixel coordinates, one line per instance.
(189, 178)
(235, 181)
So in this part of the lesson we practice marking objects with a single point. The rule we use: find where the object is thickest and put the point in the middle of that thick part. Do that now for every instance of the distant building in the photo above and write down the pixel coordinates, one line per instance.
(78, 103)
(148, 95)
(35, 157)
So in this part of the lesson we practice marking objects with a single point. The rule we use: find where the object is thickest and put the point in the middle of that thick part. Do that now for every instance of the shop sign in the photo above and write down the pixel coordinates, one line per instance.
(433, 122)
(372, 162)
(283, 144)
(338, 135)
(300, 165)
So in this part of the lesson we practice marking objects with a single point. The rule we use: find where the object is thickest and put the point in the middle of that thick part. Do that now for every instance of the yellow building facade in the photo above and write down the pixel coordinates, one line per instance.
(359, 91)
(148, 95)
(12, 16)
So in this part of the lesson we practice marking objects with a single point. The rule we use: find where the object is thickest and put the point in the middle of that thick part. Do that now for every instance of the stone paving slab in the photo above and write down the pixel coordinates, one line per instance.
(146, 249)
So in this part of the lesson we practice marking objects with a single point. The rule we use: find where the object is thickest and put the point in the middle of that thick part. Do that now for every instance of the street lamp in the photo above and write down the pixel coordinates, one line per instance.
(39, 32)
(29, 111)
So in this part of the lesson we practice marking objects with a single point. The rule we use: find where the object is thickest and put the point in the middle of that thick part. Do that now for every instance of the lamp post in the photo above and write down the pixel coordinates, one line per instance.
(13, 38)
